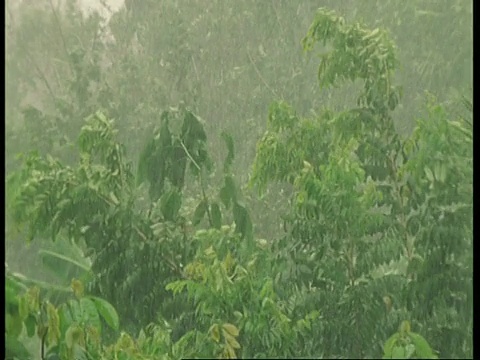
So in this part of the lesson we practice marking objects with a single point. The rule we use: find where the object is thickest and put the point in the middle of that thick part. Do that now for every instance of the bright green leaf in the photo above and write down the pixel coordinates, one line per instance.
(107, 311)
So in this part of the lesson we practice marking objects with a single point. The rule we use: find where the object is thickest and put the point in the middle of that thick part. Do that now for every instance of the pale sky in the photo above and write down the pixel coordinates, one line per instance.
(89, 5)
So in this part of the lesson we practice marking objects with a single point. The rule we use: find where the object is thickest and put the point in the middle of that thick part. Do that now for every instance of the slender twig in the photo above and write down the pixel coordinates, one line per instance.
(43, 77)
(189, 156)
(59, 27)
(277, 17)
(195, 68)
(260, 75)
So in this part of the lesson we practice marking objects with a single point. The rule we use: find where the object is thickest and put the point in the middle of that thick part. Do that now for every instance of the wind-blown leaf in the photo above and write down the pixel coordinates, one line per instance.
(243, 223)
(422, 348)
(90, 312)
(231, 151)
(199, 212)
(107, 311)
(228, 193)
(389, 345)
(216, 215)
(170, 204)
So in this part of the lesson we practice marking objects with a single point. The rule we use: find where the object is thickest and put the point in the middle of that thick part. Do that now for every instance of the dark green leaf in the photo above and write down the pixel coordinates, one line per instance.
(216, 215)
(170, 204)
(243, 223)
(199, 212)
(231, 189)
(30, 325)
(231, 151)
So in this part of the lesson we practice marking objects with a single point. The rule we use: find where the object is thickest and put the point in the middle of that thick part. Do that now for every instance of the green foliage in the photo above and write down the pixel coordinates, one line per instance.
(72, 330)
(406, 345)
(378, 228)
(363, 198)
(167, 155)
(235, 300)
(358, 53)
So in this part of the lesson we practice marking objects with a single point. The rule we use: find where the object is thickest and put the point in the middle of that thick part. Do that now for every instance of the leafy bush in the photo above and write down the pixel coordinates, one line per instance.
(377, 233)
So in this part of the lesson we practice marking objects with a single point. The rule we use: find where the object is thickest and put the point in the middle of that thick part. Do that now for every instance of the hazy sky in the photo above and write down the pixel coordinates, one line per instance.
(89, 5)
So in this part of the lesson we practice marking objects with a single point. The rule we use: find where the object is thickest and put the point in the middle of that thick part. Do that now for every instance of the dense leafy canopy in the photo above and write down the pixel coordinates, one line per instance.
(165, 243)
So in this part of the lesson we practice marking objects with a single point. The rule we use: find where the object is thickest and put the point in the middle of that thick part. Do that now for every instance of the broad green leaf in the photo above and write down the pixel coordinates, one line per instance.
(13, 325)
(30, 325)
(23, 309)
(90, 313)
(170, 204)
(107, 311)
(398, 352)
(231, 189)
(422, 348)
(243, 223)
(200, 212)
(65, 318)
(389, 345)
(214, 333)
(81, 263)
(12, 289)
(224, 195)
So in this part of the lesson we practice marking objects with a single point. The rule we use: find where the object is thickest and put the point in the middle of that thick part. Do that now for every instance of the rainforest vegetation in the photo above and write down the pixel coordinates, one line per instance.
(239, 179)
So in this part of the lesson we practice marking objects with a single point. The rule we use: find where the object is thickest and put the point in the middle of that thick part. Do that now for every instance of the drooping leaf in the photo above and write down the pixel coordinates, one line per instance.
(107, 311)
(30, 324)
(214, 332)
(389, 345)
(170, 204)
(62, 265)
(216, 215)
(230, 152)
(178, 165)
(199, 212)
(65, 318)
(422, 348)
(228, 193)
(53, 324)
(243, 223)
